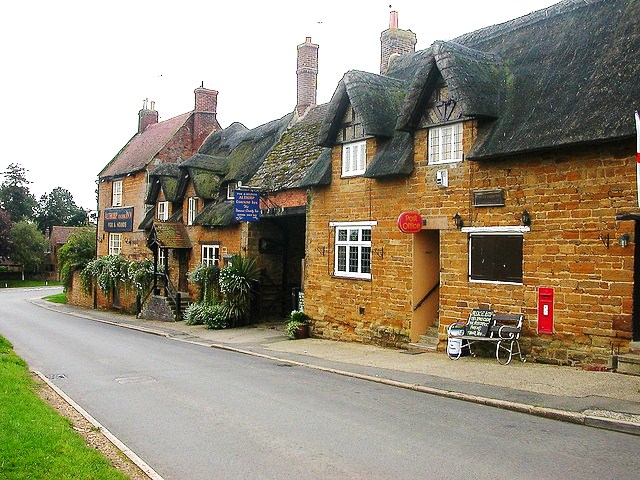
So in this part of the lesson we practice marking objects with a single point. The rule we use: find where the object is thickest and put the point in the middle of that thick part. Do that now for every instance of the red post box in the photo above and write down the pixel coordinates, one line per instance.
(545, 310)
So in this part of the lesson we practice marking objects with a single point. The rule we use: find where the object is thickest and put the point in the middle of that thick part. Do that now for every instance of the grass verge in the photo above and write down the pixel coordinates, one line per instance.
(57, 298)
(36, 442)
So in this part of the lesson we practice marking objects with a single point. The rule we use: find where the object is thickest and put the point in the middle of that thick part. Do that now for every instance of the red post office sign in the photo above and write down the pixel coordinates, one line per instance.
(410, 222)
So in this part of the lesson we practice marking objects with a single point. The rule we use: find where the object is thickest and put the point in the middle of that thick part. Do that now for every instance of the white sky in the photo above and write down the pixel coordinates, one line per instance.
(75, 72)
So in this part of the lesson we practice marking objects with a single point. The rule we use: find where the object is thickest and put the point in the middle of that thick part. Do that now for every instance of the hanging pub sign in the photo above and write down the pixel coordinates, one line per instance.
(246, 206)
(118, 219)
(410, 222)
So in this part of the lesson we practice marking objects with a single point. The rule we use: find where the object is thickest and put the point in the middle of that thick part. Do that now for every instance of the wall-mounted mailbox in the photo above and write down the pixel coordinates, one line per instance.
(545, 310)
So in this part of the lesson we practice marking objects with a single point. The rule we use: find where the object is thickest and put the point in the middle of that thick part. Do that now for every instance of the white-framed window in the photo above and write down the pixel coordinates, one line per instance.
(116, 193)
(352, 253)
(496, 255)
(210, 255)
(163, 211)
(354, 159)
(445, 144)
(192, 210)
(231, 188)
(115, 243)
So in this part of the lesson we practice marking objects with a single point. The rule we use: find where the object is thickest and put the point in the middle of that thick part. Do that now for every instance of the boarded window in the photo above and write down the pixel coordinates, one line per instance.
(496, 258)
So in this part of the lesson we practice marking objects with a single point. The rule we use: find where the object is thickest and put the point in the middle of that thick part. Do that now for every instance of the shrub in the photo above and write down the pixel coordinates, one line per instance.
(215, 317)
(110, 271)
(193, 315)
(237, 282)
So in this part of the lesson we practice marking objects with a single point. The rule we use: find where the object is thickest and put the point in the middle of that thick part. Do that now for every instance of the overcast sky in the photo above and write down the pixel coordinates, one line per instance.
(75, 73)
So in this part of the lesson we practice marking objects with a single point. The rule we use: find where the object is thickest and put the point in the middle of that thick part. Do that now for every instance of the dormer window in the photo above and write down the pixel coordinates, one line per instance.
(354, 148)
(352, 127)
(192, 210)
(354, 159)
(445, 144)
(163, 211)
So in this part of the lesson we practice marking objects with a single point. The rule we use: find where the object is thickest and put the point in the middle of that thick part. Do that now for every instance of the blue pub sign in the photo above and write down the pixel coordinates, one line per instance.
(246, 206)
(118, 219)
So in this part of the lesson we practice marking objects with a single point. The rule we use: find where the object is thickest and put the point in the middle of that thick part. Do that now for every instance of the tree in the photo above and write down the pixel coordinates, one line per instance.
(74, 255)
(15, 196)
(58, 208)
(29, 245)
(5, 234)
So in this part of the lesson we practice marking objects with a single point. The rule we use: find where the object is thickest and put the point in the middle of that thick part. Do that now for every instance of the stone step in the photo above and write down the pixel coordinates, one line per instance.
(628, 363)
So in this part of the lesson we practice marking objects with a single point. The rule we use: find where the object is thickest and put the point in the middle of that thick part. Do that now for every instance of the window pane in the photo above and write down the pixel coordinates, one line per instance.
(362, 155)
(366, 235)
(366, 259)
(342, 259)
(342, 235)
(496, 258)
(346, 159)
(353, 259)
(353, 235)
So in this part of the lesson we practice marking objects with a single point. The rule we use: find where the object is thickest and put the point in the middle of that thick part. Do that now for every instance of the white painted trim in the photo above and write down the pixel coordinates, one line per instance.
(496, 230)
(364, 223)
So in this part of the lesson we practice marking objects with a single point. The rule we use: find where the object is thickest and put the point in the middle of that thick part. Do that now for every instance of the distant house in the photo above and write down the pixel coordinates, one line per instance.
(57, 237)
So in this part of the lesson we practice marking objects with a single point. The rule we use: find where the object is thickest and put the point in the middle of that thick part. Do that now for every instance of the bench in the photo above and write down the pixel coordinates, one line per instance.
(502, 329)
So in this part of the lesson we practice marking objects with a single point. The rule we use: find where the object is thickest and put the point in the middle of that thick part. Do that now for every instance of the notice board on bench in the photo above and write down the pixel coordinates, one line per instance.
(479, 323)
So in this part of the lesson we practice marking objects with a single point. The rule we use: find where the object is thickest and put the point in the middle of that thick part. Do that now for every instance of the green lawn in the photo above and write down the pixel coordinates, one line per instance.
(57, 298)
(36, 442)
(26, 283)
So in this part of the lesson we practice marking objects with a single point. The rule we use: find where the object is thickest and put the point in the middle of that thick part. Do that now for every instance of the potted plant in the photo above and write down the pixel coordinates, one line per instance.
(297, 326)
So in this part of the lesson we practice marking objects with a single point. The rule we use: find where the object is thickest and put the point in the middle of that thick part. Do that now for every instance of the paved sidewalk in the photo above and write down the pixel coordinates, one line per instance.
(600, 399)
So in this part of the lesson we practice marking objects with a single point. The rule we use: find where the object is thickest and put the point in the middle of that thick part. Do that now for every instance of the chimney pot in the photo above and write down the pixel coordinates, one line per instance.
(393, 19)
(395, 41)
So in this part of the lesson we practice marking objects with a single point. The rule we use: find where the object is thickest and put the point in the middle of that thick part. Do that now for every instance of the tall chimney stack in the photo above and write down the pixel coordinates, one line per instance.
(395, 41)
(307, 72)
(146, 116)
(204, 114)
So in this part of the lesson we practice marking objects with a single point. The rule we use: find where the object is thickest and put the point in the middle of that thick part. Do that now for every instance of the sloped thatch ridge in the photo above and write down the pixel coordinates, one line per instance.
(376, 99)
(210, 163)
(254, 146)
(293, 155)
(223, 141)
(393, 157)
(319, 173)
(572, 77)
(216, 214)
(147, 221)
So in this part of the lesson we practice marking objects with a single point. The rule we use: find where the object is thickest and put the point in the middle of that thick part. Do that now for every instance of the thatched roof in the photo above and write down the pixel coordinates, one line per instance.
(319, 173)
(216, 214)
(288, 161)
(375, 98)
(393, 157)
(562, 76)
(170, 235)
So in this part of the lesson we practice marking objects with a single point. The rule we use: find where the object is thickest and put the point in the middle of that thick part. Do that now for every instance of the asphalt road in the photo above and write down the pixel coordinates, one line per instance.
(194, 413)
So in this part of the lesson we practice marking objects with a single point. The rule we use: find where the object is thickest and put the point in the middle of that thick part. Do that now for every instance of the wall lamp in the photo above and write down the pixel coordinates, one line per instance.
(624, 240)
(525, 218)
(457, 219)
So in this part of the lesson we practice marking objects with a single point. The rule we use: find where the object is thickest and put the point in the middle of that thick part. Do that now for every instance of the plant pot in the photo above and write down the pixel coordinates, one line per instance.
(301, 332)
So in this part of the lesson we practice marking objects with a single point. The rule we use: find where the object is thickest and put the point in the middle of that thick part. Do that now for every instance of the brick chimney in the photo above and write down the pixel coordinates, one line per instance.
(307, 71)
(204, 114)
(395, 41)
(147, 116)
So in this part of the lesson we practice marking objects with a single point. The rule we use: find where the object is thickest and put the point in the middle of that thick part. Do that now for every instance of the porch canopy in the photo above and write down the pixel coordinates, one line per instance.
(169, 235)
